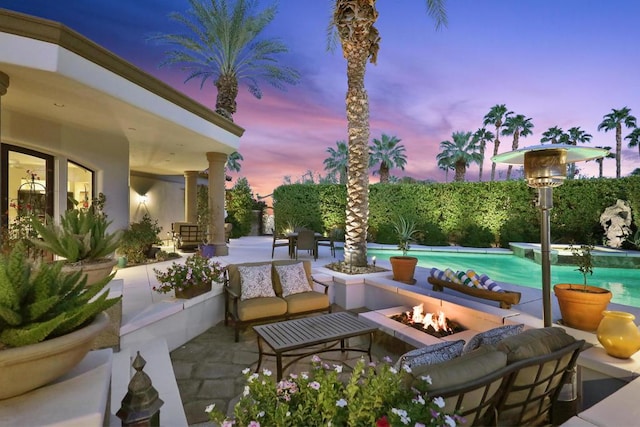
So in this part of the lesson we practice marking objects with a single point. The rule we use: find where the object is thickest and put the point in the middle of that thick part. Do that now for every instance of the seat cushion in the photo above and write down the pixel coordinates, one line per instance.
(431, 354)
(492, 336)
(306, 301)
(255, 281)
(293, 279)
(259, 308)
(534, 342)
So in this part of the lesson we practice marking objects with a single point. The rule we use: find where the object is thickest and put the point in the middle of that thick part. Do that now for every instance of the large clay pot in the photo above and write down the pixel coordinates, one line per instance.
(618, 334)
(581, 307)
(95, 271)
(23, 369)
(403, 268)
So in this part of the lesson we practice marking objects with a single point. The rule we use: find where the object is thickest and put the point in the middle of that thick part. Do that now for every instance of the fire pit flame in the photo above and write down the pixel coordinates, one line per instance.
(438, 321)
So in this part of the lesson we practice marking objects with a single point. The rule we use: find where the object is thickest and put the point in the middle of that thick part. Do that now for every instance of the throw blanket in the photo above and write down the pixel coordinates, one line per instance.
(487, 283)
(470, 278)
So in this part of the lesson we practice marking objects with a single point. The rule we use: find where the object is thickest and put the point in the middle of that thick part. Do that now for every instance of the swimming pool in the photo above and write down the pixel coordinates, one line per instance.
(623, 283)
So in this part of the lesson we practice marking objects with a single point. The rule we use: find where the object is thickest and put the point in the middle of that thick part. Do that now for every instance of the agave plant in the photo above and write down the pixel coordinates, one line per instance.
(406, 232)
(41, 302)
(81, 235)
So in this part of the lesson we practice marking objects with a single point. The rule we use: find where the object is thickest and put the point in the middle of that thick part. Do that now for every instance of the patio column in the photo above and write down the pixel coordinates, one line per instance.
(191, 196)
(4, 84)
(216, 201)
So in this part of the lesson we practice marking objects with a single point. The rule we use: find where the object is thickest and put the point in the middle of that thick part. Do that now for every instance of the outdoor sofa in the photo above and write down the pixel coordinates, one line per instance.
(260, 292)
(499, 380)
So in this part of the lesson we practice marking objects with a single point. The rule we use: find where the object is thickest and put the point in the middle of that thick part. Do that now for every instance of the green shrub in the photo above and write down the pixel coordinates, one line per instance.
(138, 240)
(432, 235)
(476, 236)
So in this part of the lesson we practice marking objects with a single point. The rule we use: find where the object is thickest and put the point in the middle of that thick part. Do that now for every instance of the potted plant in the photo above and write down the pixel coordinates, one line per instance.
(48, 320)
(371, 395)
(138, 240)
(404, 266)
(82, 239)
(581, 305)
(190, 279)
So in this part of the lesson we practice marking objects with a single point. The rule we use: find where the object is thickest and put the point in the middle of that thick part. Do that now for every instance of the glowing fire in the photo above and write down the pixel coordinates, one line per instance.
(438, 321)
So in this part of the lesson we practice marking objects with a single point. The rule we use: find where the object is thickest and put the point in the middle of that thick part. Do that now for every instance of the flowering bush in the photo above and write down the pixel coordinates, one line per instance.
(373, 395)
(195, 270)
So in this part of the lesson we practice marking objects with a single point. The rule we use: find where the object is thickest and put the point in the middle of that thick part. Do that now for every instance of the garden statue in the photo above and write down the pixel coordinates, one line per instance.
(616, 221)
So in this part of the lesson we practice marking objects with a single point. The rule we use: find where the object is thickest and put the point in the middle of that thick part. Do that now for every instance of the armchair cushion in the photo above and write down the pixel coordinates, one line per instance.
(534, 342)
(431, 354)
(293, 279)
(255, 282)
(492, 336)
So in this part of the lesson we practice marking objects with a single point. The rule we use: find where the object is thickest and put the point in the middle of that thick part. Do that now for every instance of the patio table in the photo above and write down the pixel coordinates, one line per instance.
(287, 336)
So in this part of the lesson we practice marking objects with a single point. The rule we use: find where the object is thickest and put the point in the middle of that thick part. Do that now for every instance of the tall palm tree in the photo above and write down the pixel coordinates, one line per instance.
(614, 120)
(574, 136)
(610, 155)
(554, 135)
(445, 165)
(481, 137)
(518, 126)
(389, 153)
(496, 117)
(354, 22)
(460, 153)
(634, 139)
(337, 161)
(222, 43)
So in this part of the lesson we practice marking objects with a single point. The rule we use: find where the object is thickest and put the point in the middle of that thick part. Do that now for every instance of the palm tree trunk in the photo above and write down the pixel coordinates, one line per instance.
(618, 148)
(461, 170)
(480, 166)
(514, 146)
(496, 145)
(600, 161)
(384, 172)
(227, 86)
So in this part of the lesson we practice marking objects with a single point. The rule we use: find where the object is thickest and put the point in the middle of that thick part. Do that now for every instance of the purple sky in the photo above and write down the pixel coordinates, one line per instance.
(559, 62)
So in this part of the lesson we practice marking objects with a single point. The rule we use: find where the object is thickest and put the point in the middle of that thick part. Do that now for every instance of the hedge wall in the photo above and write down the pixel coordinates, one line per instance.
(466, 213)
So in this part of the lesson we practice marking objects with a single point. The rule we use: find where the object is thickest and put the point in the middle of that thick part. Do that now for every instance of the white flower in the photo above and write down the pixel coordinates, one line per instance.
(341, 403)
(426, 378)
(260, 414)
(439, 401)
(399, 412)
(305, 375)
(419, 400)
(210, 408)
(315, 358)
(252, 377)
(406, 368)
(338, 368)
(314, 385)
(245, 371)
(387, 359)
(288, 414)
(393, 370)
(266, 372)
(450, 421)
(246, 391)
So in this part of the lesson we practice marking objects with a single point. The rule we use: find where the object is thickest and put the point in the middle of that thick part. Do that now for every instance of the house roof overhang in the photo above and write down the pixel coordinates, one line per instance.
(58, 75)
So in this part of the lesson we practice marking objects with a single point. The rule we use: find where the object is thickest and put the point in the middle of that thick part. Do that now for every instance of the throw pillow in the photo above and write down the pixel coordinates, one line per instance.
(534, 342)
(492, 336)
(293, 279)
(255, 282)
(431, 354)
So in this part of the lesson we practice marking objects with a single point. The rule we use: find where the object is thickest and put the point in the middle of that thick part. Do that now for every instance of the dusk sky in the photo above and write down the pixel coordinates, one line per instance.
(560, 62)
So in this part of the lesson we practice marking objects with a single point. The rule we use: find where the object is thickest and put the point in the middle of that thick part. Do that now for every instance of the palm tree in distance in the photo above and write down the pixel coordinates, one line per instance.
(337, 161)
(481, 137)
(574, 136)
(445, 165)
(389, 153)
(460, 153)
(518, 126)
(614, 120)
(222, 44)
(354, 21)
(496, 117)
(553, 135)
(634, 139)
(233, 162)
(599, 160)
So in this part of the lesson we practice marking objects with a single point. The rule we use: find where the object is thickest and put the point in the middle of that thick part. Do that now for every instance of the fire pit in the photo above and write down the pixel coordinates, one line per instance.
(435, 324)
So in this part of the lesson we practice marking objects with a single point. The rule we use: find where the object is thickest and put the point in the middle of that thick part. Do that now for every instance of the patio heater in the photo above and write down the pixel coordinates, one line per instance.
(545, 167)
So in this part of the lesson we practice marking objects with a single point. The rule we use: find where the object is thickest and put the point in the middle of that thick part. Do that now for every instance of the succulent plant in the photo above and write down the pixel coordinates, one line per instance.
(80, 236)
(38, 302)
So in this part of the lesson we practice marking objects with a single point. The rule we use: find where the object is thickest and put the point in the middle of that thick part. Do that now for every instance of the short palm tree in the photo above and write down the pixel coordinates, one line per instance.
(481, 137)
(354, 22)
(518, 126)
(610, 155)
(389, 153)
(553, 135)
(337, 161)
(222, 44)
(574, 136)
(460, 153)
(634, 139)
(614, 120)
(496, 117)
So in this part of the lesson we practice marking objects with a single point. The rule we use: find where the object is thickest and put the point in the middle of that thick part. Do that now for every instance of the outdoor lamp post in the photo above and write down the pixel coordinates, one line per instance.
(545, 167)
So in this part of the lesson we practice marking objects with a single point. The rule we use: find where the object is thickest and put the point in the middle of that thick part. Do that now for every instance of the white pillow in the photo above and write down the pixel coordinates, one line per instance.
(255, 282)
(293, 279)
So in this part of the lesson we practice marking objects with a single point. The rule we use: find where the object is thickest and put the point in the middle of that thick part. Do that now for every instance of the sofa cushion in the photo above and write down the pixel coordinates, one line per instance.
(306, 301)
(293, 279)
(260, 308)
(430, 354)
(255, 282)
(277, 285)
(492, 336)
(534, 342)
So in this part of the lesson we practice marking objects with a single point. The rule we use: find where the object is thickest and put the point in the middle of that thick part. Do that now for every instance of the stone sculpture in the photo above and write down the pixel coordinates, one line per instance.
(616, 221)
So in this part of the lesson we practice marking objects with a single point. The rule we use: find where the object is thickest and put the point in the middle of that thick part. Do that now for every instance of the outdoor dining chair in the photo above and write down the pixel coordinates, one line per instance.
(306, 240)
(329, 241)
(279, 240)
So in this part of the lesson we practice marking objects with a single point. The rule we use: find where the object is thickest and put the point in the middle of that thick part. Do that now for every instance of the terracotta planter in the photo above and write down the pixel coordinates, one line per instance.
(404, 268)
(579, 309)
(193, 291)
(23, 369)
(95, 271)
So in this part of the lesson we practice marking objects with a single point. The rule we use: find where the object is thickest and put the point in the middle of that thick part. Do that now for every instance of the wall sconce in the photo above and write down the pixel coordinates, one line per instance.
(142, 199)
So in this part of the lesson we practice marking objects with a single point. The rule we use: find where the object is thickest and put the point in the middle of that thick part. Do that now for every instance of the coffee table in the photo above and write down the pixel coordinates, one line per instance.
(287, 336)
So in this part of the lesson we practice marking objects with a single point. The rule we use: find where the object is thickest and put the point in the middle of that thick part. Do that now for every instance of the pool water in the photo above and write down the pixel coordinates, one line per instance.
(623, 283)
